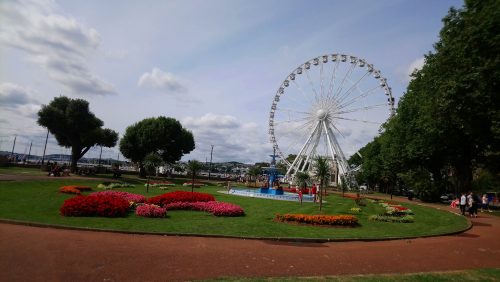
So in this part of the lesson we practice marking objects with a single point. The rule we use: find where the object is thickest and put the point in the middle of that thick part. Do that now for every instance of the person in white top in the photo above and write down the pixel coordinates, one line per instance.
(463, 203)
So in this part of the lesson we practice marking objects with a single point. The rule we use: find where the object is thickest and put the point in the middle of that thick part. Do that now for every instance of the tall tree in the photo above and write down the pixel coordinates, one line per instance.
(193, 167)
(75, 126)
(151, 163)
(321, 171)
(162, 135)
(447, 123)
(301, 178)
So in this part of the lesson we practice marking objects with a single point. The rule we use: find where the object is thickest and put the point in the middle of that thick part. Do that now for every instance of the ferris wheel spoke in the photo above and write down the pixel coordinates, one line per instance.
(341, 86)
(291, 111)
(358, 120)
(321, 80)
(305, 134)
(290, 121)
(332, 78)
(312, 85)
(360, 96)
(351, 89)
(353, 110)
(308, 97)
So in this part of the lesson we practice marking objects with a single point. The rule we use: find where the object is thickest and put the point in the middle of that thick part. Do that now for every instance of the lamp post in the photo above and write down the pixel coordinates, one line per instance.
(210, 166)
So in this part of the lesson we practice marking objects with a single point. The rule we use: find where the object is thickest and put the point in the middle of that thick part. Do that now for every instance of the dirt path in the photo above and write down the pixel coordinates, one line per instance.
(45, 254)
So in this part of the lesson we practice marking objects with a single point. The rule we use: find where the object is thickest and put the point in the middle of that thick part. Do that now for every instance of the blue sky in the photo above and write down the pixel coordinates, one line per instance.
(214, 65)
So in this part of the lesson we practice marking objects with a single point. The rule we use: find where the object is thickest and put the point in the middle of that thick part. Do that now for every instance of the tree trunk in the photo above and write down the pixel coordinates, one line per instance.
(192, 182)
(75, 156)
(142, 171)
(321, 193)
(464, 177)
(147, 185)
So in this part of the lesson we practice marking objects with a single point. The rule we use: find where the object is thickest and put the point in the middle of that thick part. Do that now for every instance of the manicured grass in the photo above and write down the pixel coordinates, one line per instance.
(449, 276)
(39, 201)
(21, 171)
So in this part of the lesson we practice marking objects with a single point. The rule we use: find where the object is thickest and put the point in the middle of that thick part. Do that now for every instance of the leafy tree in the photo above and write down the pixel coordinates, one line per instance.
(151, 162)
(254, 172)
(302, 178)
(321, 171)
(193, 167)
(447, 124)
(162, 135)
(75, 126)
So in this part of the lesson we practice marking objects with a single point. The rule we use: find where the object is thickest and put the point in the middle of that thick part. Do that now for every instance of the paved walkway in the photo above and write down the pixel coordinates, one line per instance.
(45, 254)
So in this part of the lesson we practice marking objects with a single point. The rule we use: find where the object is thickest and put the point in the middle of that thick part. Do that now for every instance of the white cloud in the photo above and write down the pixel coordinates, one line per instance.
(415, 65)
(58, 43)
(232, 139)
(163, 81)
(211, 120)
(13, 95)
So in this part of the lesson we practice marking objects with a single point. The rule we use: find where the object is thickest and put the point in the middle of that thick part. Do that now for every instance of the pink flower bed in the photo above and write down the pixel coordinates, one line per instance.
(129, 197)
(213, 207)
(148, 210)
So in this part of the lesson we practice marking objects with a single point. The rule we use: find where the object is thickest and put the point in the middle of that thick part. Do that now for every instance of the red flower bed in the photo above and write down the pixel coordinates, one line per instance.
(74, 189)
(398, 208)
(345, 220)
(215, 208)
(95, 205)
(180, 196)
(129, 197)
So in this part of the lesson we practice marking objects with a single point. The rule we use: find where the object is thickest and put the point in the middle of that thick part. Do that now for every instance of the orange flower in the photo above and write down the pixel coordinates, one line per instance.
(346, 220)
(74, 189)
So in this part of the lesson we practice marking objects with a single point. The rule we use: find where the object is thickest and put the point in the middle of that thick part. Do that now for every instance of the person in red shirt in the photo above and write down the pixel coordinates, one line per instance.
(314, 191)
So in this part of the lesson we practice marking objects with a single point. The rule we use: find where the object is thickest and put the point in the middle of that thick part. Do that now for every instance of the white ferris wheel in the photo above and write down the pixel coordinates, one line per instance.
(328, 106)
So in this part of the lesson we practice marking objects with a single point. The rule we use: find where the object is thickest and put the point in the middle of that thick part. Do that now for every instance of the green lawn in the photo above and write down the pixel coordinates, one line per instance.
(39, 201)
(449, 276)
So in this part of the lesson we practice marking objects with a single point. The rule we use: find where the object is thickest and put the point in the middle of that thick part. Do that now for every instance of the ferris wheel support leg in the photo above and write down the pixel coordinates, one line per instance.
(344, 165)
(330, 145)
(302, 150)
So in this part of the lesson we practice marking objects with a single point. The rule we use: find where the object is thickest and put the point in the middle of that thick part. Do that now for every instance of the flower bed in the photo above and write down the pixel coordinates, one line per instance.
(110, 186)
(95, 205)
(213, 207)
(398, 219)
(396, 210)
(343, 220)
(74, 189)
(196, 184)
(129, 197)
(148, 210)
(160, 184)
(356, 210)
(180, 196)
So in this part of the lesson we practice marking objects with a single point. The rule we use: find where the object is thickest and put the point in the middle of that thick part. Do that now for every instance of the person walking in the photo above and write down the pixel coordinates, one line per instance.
(463, 203)
(484, 203)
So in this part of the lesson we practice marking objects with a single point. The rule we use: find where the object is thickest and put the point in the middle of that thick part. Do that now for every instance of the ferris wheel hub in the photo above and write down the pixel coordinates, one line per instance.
(321, 114)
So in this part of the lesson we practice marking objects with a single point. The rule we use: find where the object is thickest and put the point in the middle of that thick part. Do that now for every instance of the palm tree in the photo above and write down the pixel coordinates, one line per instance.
(301, 178)
(193, 167)
(321, 171)
(254, 171)
(151, 162)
